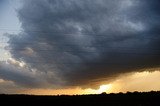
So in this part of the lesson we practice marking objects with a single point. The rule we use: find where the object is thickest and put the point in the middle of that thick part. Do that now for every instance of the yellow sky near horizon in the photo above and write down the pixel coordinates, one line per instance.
(139, 81)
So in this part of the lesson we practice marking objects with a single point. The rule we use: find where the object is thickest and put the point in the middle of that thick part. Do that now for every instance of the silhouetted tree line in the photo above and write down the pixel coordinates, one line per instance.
(113, 99)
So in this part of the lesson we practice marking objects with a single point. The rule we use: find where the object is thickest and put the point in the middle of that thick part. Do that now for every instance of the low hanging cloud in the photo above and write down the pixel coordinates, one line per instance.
(78, 42)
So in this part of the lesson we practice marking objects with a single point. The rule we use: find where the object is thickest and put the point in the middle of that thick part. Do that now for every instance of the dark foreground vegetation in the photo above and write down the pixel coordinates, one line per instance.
(120, 99)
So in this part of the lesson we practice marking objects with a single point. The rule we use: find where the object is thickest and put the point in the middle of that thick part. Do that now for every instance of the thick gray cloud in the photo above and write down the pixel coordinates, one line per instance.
(21, 76)
(77, 42)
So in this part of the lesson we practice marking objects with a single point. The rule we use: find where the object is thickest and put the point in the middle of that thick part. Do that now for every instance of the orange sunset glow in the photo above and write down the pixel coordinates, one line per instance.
(121, 84)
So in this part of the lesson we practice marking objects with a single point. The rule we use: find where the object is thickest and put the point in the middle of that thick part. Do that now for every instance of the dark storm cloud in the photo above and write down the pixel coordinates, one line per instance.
(76, 42)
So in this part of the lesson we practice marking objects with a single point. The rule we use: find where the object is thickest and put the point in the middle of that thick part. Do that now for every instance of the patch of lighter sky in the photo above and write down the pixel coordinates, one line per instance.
(9, 23)
(138, 81)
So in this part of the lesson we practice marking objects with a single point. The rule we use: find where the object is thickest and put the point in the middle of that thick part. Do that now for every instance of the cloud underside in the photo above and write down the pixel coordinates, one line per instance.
(78, 42)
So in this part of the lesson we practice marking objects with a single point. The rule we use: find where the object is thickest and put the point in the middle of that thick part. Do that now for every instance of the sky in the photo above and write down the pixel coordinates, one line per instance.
(79, 46)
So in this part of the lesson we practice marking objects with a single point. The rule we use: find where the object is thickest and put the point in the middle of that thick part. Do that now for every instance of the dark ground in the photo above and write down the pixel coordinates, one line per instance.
(120, 99)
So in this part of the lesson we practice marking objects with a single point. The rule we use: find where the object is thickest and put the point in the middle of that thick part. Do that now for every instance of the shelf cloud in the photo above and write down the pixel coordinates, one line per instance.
(67, 43)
